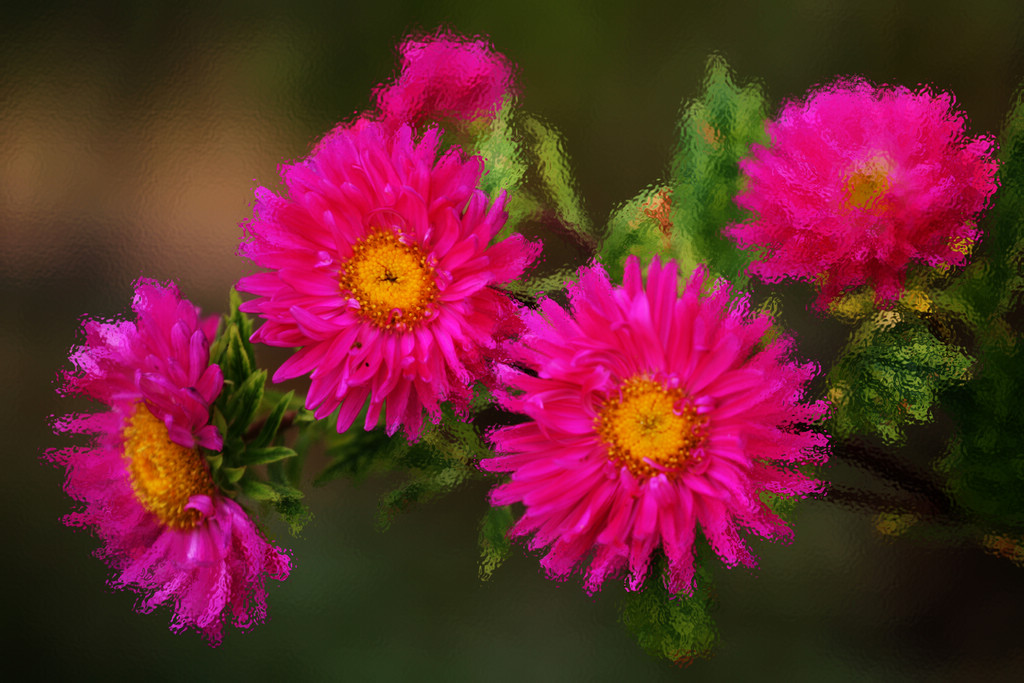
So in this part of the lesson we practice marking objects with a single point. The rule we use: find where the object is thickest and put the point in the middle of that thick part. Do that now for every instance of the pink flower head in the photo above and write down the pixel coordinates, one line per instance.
(446, 75)
(383, 273)
(858, 183)
(146, 489)
(651, 415)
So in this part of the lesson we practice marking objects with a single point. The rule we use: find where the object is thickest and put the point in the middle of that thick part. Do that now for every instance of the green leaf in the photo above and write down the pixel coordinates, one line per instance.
(985, 459)
(238, 361)
(993, 283)
(357, 452)
(640, 227)
(506, 168)
(234, 302)
(232, 474)
(715, 131)
(676, 627)
(219, 421)
(551, 161)
(267, 454)
(493, 540)
(244, 400)
(682, 218)
(259, 490)
(890, 375)
(273, 422)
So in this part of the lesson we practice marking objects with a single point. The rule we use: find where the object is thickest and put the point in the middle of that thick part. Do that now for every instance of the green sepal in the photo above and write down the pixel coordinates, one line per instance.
(267, 454)
(677, 627)
(493, 539)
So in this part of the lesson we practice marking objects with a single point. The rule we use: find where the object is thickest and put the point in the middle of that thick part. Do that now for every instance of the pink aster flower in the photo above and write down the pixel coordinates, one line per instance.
(446, 75)
(858, 183)
(651, 415)
(384, 274)
(146, 489)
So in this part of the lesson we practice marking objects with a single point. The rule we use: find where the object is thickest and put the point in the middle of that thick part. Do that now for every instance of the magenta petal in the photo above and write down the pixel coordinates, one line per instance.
(690, 362)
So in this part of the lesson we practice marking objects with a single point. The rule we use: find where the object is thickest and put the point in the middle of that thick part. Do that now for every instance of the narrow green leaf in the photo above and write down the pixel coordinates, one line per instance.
(234, 302)
(554, 169)
(259, 490)
(232, 474)
(273, 422)
(244, 400)
(267, 454)
(493, 540)
(238, 360)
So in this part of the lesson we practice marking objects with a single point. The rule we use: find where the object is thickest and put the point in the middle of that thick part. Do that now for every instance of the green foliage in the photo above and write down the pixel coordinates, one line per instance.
(890, 375)
(715, 131)
(355, 453)
(641, 227)
(493, 540)
(526, 157)
(439, 462)
(993, 283)
(677, 627)
(985, 461)
(249, 441)
(683, 217)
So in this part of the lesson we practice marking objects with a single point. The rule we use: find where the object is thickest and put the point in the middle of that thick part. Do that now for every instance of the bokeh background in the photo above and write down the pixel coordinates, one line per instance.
(131, 137)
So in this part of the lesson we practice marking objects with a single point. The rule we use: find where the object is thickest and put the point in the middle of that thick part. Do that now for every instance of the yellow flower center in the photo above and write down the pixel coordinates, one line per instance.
(868, 184)
(390, 279)
(164, 474)
(648, 424)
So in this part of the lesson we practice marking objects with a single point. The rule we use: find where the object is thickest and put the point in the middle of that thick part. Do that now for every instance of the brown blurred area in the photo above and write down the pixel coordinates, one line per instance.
(131, 138)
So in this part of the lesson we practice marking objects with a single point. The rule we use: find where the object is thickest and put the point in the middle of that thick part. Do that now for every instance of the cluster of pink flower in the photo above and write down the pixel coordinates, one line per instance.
(652, 415)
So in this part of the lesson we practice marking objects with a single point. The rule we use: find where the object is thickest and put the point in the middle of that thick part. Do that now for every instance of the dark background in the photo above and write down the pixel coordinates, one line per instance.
(131, 137)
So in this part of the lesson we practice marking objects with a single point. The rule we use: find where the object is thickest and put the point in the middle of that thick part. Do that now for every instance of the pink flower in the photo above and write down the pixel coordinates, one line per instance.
(651, 415)
(383, 273)
(446, 75)
(858, 183)
(146, 489)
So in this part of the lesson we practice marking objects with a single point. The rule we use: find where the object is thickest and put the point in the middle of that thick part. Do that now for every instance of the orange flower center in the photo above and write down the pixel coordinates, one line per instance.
(390, 279)
(650, 425)
(868, 184)
(164, 474)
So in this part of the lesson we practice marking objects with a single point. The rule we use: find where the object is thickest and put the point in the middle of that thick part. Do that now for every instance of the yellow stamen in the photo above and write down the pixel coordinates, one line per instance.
(868, 184)
(390, 279)
(647, 424)
(164, 474)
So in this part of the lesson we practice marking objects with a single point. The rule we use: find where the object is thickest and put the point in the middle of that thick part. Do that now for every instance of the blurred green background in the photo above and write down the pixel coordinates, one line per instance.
(131, 137)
